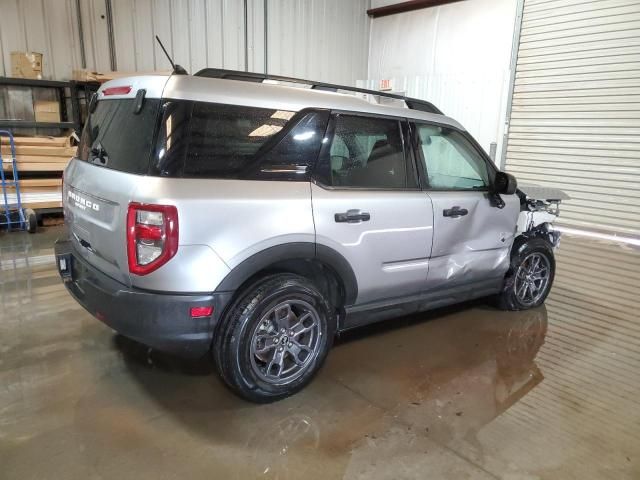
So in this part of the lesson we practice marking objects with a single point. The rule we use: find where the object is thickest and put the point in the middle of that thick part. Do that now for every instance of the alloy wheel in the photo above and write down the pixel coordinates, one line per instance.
(532, 279)
(285, 342)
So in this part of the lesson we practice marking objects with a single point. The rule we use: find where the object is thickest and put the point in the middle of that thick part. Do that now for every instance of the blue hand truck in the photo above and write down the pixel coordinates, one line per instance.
(12, 215)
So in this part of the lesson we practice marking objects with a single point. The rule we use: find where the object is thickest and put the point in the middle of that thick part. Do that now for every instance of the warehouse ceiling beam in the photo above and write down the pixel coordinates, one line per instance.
(406, 7)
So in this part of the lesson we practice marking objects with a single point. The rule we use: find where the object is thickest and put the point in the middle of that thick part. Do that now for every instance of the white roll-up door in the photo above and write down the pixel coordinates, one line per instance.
(575, 118)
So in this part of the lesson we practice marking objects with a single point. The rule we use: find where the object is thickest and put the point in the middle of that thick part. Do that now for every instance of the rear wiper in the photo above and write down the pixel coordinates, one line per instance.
(100, 154)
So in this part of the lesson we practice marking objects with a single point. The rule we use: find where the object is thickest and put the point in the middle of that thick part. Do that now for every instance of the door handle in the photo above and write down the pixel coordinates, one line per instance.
(454, 212)
(352, 216)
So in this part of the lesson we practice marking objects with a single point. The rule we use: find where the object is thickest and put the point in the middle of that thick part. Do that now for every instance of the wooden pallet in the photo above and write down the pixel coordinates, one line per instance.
(39, 151)
(40, 141)
(39, 154)
(41, 205)
(40, 162)
(84, 75)
(37, 184)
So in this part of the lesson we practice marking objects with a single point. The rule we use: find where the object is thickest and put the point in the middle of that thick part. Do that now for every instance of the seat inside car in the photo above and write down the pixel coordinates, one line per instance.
(384, 167)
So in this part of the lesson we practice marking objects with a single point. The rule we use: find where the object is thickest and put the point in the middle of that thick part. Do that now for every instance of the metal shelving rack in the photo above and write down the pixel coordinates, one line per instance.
(69, 119)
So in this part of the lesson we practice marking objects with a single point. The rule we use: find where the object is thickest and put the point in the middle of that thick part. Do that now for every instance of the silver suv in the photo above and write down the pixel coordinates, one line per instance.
(256, 217)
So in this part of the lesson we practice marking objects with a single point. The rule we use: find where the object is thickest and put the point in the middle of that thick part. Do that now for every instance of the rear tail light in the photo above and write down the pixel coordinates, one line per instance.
(152, 236)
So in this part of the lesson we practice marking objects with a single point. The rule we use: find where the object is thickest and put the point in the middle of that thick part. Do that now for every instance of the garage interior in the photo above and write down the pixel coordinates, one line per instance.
(549, 88)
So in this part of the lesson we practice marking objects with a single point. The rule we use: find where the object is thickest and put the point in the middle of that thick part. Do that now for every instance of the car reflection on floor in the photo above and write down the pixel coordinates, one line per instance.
(462, 392)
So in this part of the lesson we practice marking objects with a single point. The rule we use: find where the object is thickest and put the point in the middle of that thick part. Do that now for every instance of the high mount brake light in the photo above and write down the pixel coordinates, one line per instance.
(123, 90)
(152, 236)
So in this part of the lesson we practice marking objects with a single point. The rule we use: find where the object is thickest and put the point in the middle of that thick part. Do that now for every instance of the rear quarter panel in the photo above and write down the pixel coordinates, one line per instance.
(222, 223)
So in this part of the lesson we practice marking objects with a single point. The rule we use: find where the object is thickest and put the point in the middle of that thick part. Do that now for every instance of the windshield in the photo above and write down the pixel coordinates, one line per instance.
(117, 138)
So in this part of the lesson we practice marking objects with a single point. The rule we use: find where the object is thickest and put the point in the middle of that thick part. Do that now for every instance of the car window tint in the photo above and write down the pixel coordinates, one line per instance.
(225, 139)
(172, 141)
(118, 138)
(203, 140)
(294, 153)
(451, 162)
(366, 152)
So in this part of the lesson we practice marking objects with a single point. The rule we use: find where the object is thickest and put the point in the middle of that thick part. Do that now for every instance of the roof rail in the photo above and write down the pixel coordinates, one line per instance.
(412, 103)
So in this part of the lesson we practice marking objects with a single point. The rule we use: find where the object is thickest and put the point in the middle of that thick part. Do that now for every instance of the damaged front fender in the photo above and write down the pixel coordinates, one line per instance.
(539, 208)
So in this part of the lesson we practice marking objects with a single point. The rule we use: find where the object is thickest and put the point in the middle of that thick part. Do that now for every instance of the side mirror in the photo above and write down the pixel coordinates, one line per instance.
(505, 183)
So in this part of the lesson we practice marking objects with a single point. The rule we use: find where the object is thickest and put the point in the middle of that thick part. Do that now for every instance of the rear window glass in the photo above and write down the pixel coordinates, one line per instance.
(115, 137)
(205, 140)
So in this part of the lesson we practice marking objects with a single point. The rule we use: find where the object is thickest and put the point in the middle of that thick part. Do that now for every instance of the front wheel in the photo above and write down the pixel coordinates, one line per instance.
(274, 338)
(530, 275)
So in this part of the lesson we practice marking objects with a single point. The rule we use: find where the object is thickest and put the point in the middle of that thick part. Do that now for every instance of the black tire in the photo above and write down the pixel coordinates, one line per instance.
(523, 251)
(252, 317)
(32, 220)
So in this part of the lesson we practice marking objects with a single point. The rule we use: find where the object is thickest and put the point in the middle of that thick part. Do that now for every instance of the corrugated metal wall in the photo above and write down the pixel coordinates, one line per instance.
(45, 26)
(320, 39)
(447, 55)
(575, 121)
(475, 99)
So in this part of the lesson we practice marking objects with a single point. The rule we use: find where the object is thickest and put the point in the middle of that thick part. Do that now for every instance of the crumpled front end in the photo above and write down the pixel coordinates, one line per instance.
(539, 208)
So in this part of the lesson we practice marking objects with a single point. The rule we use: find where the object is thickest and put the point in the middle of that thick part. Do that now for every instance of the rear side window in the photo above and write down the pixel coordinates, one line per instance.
(115, 137)
(225, 139)
(203, 140)
(296, 151)
(365, 152)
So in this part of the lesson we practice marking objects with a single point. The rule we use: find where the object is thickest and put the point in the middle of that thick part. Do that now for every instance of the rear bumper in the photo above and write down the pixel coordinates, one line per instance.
(161, 321)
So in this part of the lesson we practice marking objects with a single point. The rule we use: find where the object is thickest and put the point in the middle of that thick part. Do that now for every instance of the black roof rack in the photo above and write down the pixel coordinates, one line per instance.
(412, 103)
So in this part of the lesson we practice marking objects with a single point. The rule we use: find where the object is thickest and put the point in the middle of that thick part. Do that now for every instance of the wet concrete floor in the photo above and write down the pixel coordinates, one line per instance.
(467, 392)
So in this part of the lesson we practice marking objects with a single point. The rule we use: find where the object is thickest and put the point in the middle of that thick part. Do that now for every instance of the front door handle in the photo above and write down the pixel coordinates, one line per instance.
(454, 212)
(352, 216)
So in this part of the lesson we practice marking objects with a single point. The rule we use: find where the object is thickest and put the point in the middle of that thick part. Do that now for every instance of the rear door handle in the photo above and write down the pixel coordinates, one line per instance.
(352, 216)
(454, 212)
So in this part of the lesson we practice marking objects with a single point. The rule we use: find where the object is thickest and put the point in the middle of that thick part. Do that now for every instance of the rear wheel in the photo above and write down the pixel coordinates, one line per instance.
(530, 275)
(274, 338)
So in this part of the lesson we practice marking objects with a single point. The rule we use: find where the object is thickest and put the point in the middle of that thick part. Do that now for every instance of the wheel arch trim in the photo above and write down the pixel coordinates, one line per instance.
(293, 251)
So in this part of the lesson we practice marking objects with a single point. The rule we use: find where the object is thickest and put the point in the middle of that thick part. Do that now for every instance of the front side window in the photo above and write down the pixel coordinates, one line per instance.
(450, 161)
(365, 152)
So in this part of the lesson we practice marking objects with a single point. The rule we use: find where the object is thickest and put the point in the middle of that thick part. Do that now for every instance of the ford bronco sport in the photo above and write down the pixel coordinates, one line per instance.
(219, 213)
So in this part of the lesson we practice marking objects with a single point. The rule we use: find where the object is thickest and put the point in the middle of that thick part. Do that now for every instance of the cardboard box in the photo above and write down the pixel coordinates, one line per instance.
(26, 65)
(47, 110)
